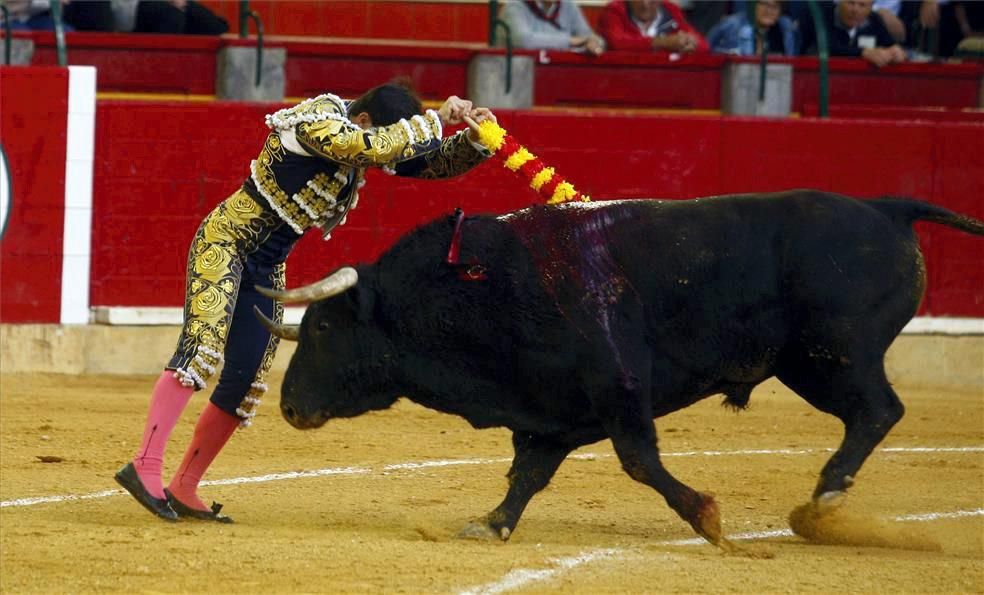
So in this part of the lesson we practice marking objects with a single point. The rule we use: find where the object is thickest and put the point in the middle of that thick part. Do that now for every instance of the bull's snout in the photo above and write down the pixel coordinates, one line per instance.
(300, 419)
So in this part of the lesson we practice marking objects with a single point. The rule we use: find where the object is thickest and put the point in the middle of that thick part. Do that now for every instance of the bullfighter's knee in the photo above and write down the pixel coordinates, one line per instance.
(239, 395)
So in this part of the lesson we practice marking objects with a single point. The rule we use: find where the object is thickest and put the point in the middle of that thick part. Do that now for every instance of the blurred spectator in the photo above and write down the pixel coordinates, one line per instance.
(892, 15)
(168, 16)
(853, 29)
(141, 16)
(948, 32)
(550, 25)
(648, 25)
(970, 19)
(705, 14)
(772, 30)
(29, 14)
(88, 15)
(928, 26)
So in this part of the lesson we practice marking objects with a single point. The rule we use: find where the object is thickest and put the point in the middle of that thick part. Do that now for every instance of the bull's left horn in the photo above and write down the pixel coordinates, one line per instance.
(286, 332)
(333, 284)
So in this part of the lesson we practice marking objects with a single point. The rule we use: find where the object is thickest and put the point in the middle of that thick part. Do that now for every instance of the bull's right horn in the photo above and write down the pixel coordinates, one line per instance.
(331, 285)
(284, 331)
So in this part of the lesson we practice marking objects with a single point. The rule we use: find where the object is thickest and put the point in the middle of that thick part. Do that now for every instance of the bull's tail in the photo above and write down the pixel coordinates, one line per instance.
(909, 211)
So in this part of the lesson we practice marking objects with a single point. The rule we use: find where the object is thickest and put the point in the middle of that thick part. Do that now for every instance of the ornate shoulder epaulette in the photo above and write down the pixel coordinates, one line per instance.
(317, 109)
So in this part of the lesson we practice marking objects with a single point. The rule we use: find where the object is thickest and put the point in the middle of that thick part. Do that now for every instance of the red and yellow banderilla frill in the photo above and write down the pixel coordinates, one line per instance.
(544, 180)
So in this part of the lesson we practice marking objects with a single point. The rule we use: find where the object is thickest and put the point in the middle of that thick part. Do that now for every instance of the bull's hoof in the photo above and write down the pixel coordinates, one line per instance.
(483, 531)
(828, 502)
(708, 524)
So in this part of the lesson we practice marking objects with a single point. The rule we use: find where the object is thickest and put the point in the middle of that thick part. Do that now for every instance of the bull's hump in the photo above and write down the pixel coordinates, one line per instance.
(575, 206)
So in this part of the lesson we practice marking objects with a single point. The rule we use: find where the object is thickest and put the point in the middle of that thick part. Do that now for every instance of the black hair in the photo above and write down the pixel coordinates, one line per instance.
(388, 103)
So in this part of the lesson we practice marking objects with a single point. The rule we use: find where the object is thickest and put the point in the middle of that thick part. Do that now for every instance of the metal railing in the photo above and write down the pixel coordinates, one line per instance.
(7, 34)
(823, 54)
(62, 47)
(245, 14)
(761, 37)
(496, 23)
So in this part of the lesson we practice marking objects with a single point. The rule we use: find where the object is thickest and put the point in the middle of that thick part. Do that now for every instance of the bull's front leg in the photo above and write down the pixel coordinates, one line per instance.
(628, 420)
(537, 459)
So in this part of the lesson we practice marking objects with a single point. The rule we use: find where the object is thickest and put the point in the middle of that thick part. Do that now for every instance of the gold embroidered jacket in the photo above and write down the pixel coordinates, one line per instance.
(313, 161)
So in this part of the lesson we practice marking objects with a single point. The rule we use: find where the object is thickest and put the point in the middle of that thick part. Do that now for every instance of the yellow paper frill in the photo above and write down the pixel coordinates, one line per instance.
(491, 134)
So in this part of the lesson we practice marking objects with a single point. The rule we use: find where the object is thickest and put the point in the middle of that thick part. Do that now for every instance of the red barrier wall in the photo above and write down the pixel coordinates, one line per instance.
(162, 167)
(33, 135)
(184, 64)
(380, 19)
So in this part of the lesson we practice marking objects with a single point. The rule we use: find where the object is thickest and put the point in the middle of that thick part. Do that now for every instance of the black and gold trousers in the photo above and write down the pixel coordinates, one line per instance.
(239, 244)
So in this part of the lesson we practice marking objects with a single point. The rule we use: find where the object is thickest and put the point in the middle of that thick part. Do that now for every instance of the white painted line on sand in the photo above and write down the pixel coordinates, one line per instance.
(933, 516)
(515, 579)
(522, 577)
(214, 482)
(411, 466)
(64, 498)
(427, 464)
(288, 475)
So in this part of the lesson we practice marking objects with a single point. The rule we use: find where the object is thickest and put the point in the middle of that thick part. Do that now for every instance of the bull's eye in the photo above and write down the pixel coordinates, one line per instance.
(322, 326)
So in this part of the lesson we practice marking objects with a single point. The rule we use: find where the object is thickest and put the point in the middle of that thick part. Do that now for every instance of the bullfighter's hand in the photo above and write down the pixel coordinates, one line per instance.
(453, 110)
(479, 115)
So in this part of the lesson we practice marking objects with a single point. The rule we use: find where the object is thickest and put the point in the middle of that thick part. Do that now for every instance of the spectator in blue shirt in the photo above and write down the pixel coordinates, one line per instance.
(771, 31)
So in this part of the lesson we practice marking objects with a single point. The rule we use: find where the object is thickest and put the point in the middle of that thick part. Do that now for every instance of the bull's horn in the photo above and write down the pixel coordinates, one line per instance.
(284, 331)
(333, 284)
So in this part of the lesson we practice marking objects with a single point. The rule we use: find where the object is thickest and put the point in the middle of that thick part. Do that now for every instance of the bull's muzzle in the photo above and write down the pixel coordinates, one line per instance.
(302, 420)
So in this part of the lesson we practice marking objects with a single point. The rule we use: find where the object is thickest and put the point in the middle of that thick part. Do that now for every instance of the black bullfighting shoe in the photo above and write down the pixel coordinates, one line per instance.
(202, 515)
(128, 478)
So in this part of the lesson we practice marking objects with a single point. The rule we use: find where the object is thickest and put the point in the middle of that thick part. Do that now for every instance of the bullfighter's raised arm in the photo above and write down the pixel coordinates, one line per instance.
(342, 141)
(457, 154)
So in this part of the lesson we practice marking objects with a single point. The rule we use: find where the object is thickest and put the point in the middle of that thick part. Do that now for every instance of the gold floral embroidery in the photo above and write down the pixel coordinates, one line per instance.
(215, 265)
(349, 144)
(455, 157)
(211, 259)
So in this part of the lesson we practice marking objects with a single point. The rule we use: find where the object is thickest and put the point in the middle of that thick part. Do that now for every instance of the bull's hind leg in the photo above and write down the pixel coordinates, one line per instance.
(537, 459)
(863, 399)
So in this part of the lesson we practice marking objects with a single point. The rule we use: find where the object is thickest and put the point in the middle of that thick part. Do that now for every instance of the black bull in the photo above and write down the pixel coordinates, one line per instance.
(581, 322)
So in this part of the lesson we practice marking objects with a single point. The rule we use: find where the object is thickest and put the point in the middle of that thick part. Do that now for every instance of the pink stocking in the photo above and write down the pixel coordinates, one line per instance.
(213, 430)
(166, 404)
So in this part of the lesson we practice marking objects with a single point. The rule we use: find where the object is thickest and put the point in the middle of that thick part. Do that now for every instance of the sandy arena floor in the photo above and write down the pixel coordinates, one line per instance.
(372, 504)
